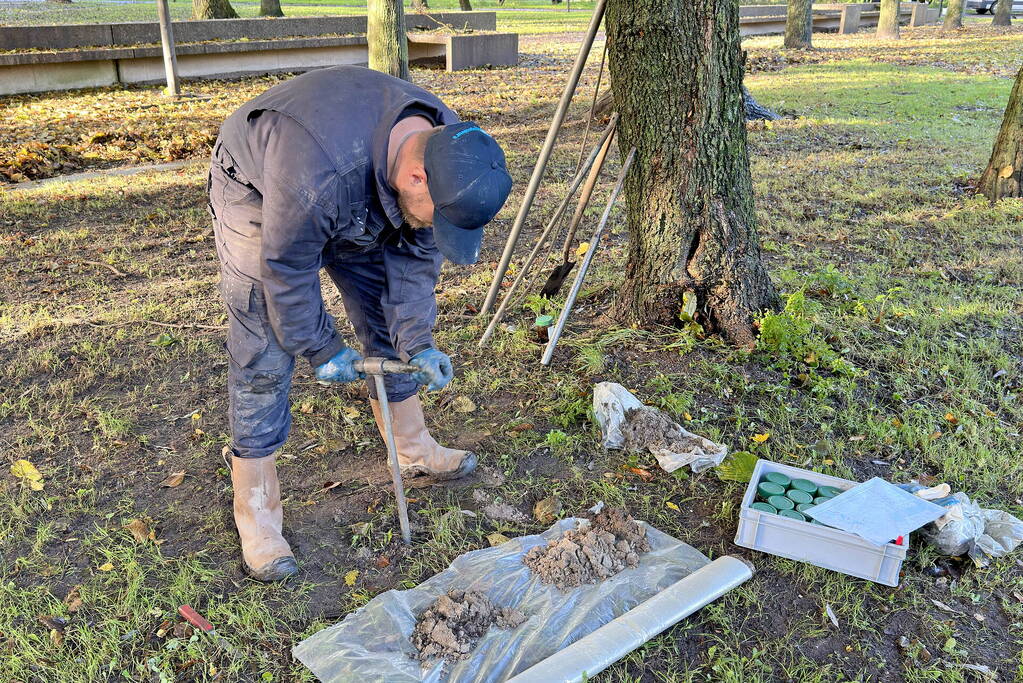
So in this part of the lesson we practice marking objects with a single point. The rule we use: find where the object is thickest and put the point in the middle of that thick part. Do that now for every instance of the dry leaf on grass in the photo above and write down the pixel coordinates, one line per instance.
(173, 480)
(139, 530)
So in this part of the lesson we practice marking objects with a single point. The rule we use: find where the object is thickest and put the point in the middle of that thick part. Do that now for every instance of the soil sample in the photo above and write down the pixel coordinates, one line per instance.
(452, 625)
(611, 542)
(650, 429)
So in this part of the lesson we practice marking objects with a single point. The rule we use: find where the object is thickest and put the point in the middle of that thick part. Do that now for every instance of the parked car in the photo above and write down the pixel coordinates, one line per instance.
(985, 6)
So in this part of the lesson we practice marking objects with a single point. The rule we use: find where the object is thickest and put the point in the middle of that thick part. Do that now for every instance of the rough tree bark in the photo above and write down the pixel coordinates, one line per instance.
(888, 22)
(270, 8)
(465, 5)
(1004, 174)
(388, 43)
(799, 24)
(954, 15)
(213, 9)
(1003, 13)
(676, 72)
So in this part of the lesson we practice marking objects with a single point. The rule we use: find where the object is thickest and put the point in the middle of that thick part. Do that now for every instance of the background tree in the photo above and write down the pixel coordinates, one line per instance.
(1003, 13)
(954, 15)
(465, 5)
(888, 21)
(676, 72)
(388, 42)
(1004, 174)
(270, 8)
(420, 5)
(213, 9)
(799, 24)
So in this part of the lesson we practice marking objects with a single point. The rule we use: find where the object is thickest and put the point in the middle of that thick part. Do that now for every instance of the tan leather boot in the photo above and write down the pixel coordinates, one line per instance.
(418, 453)
(259, 516)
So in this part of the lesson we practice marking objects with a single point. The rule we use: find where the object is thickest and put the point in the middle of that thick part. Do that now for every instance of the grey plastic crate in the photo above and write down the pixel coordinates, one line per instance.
(823, 546)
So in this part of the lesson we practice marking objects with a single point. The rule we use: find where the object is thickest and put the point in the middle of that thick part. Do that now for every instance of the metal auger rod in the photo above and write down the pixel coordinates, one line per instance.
(528, 263)
(594, 243)
(545, 155)
(378, 367)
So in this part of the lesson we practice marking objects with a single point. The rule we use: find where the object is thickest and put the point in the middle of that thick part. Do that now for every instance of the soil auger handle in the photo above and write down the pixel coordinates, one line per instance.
(383, 366)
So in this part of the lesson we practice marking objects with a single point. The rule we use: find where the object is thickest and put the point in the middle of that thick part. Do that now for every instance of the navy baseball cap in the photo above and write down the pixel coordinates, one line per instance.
(469, 183)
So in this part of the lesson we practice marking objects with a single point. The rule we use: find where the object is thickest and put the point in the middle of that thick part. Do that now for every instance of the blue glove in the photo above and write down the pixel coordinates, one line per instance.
(340, 368)
(435, 369)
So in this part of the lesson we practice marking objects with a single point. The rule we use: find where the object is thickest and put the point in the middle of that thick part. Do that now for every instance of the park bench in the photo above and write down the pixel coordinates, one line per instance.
(42, 58)
(761, 20)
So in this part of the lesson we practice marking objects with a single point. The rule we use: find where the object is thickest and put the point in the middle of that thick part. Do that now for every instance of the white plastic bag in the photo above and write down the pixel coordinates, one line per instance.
(616, 411)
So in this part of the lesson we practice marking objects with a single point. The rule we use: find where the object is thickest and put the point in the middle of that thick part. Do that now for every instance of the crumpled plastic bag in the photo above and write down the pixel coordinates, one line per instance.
(968, 529)
(626, 423)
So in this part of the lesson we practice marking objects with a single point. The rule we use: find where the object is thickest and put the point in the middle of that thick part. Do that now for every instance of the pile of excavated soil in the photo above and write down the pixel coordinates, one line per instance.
(452, 625)
(648, 429)
(611, 542)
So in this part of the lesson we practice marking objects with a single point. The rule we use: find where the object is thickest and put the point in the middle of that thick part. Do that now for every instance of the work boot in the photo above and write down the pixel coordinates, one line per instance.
(259, 516)
(418, 453)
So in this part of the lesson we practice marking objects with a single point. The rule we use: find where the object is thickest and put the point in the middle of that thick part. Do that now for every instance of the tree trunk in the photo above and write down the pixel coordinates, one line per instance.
(954, 15)
(420, 5)
(270, 8)
(1004, 174)
(799, 24)
(888, 22)
(213, 9)
(676, 72)
(1003, 13)
(388, 43)
(465, 5)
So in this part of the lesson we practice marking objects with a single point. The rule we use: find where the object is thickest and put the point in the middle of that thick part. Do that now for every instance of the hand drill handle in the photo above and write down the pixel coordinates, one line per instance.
(384, 366)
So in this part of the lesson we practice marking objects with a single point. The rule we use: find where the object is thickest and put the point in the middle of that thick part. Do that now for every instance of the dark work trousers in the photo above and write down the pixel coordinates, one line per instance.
(259, 370)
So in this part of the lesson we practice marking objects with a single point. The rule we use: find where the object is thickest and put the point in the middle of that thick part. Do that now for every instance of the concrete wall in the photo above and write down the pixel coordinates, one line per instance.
(140, 33)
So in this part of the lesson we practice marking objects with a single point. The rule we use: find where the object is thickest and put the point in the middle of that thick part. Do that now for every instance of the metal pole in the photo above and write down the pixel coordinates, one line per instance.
(545, 155)
(392, 455)
(527, 264)
(584, 198)
(594, 242)
(170, 59)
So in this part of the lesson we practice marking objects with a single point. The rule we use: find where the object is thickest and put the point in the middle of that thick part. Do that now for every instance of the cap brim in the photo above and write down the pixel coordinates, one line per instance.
(458, 245)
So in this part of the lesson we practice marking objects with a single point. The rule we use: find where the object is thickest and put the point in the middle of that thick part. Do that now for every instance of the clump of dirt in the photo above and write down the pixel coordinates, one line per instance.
(650, 429)
(610, 542)
(498, 510)
(452, 625)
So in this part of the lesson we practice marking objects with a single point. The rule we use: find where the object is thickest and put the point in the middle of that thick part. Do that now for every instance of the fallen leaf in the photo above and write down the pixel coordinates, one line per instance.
(896, 422)
(173, 480)
(463, 404)
(858, 437)
(672, 506)
(139, 530)
(581, 250)
(1007, 171)
(737, 467)
(951, 419)
(497, 539)
(23, 469)
(831, 615)
(645, 475)
(52, 623)
(940, 605)
(106, 567)
(351, 576)
(351, 412)
(979, 617)
(382, 562)
(523, 427)
(73, 602)
(686, 416)
(761, 438)
(936, 434)
(306, 408)
(547, 510)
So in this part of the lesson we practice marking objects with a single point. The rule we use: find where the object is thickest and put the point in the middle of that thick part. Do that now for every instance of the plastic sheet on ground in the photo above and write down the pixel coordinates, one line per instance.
(372, 644)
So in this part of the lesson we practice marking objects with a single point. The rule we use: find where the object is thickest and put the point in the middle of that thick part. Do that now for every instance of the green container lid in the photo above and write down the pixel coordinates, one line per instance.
(766, 489)
(820, 499)
(764, 507)
(804, 485)
(803, 507)
(798, 497)
(544, 321)
(781, 502)
(778, 478)
(792, 514)
(829, 491)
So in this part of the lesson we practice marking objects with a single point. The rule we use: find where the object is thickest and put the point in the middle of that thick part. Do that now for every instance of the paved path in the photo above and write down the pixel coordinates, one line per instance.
(88, 175)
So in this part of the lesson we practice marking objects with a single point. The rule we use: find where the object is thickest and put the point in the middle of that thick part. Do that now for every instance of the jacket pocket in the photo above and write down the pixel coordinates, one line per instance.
(247, 324)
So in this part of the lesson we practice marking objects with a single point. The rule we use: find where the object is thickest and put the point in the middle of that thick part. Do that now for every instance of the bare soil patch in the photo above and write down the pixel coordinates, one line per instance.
(451, 627)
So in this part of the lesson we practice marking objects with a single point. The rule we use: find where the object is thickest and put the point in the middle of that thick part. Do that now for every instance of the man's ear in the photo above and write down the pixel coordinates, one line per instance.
(417, 177)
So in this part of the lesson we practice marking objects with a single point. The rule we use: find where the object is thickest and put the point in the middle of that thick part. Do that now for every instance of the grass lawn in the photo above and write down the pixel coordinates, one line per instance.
(898, 355)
